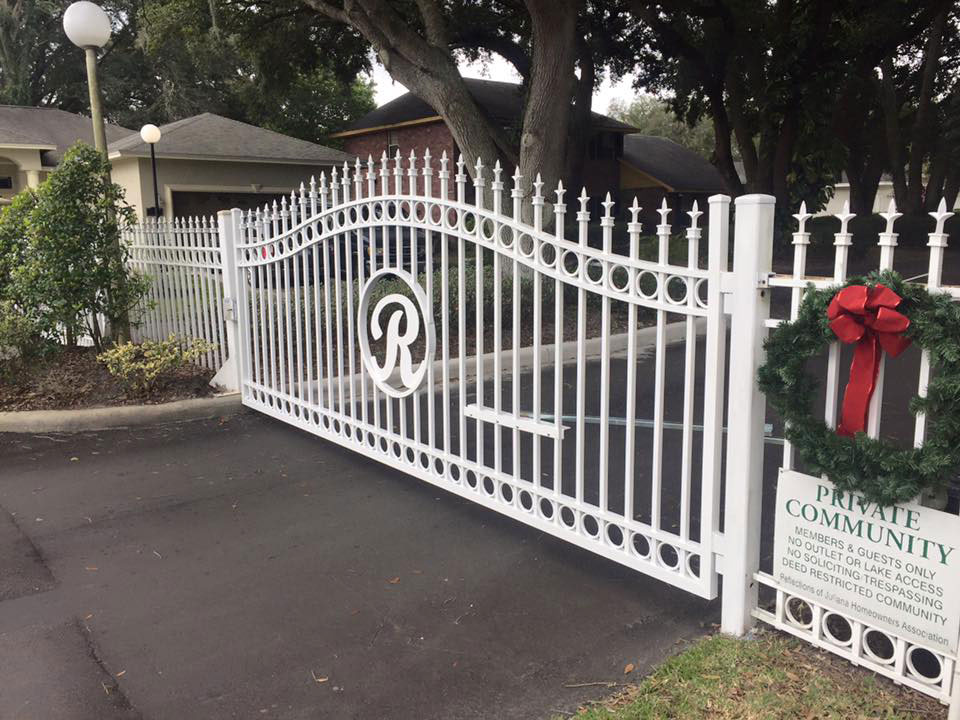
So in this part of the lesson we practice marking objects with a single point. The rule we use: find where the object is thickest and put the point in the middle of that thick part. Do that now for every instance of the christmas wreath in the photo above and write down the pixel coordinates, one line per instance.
(878, 313)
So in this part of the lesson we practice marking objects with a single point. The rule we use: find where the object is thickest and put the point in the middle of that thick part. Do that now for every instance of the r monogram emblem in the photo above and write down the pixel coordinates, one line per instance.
(399, 308)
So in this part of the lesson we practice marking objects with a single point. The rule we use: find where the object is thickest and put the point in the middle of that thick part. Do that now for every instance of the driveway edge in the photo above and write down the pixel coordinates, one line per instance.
(123, 416)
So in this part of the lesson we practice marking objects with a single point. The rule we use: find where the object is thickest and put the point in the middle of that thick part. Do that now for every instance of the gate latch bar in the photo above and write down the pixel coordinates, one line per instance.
(509, 420)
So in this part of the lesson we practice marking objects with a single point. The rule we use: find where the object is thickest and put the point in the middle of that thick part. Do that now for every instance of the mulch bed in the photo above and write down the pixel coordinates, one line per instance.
(74, 379)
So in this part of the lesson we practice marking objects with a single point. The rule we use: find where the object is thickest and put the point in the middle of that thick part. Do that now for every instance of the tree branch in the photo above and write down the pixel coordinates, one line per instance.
(483, 38)
(434, 23)
(331, 11)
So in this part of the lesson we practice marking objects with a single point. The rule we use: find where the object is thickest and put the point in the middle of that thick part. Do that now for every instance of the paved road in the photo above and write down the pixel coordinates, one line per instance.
(211, 570)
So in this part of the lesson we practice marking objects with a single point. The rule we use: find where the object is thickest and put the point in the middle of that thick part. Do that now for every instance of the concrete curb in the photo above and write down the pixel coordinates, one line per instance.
(123, 416)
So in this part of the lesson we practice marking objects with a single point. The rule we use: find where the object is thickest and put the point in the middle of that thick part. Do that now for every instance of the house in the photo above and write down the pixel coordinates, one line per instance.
(654, 168)
(33, 141)
(618, 161)
(408, 123)
(205, 163)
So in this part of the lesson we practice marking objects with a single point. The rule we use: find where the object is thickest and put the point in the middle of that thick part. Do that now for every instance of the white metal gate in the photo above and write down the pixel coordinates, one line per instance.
(416, 320)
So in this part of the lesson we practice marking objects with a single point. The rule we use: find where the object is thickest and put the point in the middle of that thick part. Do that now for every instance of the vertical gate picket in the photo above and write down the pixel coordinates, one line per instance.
(559, 212)
(715, 376)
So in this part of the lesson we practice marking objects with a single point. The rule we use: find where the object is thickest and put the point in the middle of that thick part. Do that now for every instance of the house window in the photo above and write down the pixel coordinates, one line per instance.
(393, 144)
(6, 182)
(605, 146)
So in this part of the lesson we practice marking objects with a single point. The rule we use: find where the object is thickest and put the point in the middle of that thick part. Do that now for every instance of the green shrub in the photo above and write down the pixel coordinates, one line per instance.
(21, 340)
(61, 263)
(147, 366)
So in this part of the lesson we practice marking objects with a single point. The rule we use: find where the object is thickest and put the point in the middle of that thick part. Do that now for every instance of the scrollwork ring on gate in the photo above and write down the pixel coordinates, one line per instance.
(399, 376)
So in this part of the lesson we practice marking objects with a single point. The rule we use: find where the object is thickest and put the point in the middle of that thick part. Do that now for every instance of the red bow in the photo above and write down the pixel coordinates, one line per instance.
(866, 316)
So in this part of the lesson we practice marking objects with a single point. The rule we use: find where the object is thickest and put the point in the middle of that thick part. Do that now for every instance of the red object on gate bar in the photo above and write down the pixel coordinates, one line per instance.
(866, 316)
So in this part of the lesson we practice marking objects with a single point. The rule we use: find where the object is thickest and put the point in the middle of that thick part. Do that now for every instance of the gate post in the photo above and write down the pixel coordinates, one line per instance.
(746, 407)
(228, 226)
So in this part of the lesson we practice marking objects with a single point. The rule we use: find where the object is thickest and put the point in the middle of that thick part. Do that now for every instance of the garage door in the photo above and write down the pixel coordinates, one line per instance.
(191, 204)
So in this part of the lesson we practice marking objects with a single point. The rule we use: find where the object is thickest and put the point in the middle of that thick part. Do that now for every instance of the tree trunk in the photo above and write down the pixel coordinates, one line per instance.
(742, 133)
(428, 68)
(863, 189)
(922, 124)
(579, 134)
(546, 117)
(859, 125)
(939, 160)
(783, 158)
(722, 147)
(444, 90)
(891, 113)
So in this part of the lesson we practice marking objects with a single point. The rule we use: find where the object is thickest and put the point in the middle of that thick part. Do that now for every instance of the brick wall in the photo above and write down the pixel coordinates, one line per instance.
(418, 138)
(599, 176)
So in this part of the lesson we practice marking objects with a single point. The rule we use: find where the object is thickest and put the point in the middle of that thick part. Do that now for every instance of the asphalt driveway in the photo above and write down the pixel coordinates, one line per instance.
(245, 569)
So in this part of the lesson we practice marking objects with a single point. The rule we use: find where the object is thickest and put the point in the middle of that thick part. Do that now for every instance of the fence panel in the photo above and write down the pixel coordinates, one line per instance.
(182, 259)
(915, 665)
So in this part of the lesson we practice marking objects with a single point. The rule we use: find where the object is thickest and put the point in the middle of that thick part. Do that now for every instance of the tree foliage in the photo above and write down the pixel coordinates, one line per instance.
(773, 78)
(61, 263)
(274, 64)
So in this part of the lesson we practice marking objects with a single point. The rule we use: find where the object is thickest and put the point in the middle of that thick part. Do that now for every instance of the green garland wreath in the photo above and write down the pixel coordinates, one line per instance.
(875, 468)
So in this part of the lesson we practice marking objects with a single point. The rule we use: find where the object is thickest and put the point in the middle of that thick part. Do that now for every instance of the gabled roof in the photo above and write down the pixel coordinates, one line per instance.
(502, 101)
(48, 129)
(213, 137)
(673, 165)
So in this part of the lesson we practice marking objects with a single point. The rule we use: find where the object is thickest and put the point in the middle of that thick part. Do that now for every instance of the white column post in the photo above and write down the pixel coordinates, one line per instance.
(230, 373)
(746, 406)
(33, 178)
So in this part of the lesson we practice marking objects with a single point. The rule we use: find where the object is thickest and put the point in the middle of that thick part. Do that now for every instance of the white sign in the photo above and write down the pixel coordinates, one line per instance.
(895, 568)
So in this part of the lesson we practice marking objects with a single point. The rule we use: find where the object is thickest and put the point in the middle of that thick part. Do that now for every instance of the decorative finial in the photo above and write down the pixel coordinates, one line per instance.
(584, 199)
(844, 216)
(607, 206)
(802, 217)
(635, 210)
(941, 216)
(890, 216)
(664, 212)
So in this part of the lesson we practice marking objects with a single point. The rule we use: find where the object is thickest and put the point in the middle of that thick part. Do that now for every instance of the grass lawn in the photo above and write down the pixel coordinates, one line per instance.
(769, 675)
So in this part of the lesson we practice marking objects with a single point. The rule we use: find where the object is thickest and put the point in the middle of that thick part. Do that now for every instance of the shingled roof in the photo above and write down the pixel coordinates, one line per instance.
(213, 137)
(50, 130)
(675, 166)
(502, 101)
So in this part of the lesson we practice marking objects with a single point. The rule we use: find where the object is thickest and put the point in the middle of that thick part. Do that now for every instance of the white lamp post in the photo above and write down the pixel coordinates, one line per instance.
(150, 134)
(88, 27)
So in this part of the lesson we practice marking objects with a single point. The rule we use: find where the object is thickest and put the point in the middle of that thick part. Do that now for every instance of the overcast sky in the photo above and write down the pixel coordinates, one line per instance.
(499, 69)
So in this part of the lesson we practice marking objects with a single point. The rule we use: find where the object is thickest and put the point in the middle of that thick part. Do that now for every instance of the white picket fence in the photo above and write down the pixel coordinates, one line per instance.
(182, 259)
(289, 295)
